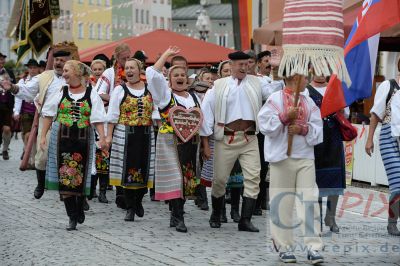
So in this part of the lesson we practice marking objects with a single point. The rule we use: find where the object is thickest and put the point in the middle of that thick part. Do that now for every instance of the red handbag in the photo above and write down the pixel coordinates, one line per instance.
(349, 132)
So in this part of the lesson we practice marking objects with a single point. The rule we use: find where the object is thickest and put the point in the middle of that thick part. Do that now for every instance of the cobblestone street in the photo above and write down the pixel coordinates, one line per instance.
(32, 232)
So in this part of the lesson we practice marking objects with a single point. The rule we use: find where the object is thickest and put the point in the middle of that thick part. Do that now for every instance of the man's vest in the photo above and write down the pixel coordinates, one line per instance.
(252, 87)
(45, 79)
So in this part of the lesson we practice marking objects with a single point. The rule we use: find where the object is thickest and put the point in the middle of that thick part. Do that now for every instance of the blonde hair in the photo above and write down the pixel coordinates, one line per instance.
(122, 47)
(98, 61)
(138, 62)
(80, 69)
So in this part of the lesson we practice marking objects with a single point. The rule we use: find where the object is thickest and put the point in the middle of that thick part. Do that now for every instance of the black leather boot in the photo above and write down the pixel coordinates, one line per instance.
(245, 223)
(330, 220)
(70, 207)
(119, 197)
(80, 206)
(93, 183)
(394, 213)
(138, 201)
(178, 220)
(224, 219)
(130, 200)
(103, 189)
(204, 200)
(235, 201)
(215, 219)
(39, 190)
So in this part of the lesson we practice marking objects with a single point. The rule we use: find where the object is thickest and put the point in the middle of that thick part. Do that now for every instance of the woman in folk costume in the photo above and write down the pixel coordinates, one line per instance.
(329, 157)
(292, 124)
(130, 131)
(74, 109)
(385, 110)
(235, 182)
(102, 158)
(111, 78)
(175, 160)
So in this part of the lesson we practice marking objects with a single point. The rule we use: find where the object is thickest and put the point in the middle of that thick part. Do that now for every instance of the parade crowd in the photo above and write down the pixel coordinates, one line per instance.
(235, 127)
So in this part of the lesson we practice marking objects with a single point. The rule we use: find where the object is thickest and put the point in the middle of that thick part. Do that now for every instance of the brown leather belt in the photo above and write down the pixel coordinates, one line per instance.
(232, 133)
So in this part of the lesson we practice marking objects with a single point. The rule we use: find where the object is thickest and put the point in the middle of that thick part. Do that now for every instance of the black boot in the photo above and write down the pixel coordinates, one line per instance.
(39, 190)
(93, 183)
(228, 196)
(119, 197)
(330, 220)
(130, 200)
(138, 200)
(80, 206)
(394, 212)
(177, 209)
(224, 219)
(103, 189)
(70, 207)
(203, 193)
(235, 201)
(85, 204)
(215, 219)
(245, 219)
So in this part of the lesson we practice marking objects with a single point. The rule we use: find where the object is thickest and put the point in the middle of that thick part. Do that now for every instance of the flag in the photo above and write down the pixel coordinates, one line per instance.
(360, 51)
(34, 30)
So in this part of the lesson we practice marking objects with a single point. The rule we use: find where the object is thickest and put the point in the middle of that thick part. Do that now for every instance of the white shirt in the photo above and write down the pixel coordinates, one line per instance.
(161, 93)
(105, 84)
(395, 123)
(97, 114)
(30, 90)
(238, 104)
(276, 134)
(381, 95)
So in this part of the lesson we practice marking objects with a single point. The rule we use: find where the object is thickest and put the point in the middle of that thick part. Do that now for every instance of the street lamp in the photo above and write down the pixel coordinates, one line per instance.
(203, 24)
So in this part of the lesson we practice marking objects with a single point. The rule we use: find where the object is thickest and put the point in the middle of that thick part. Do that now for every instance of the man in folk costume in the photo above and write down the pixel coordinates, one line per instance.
(6, 107)
(24, 111)
(292, 122)
(41, 88)
(230, 114)
(111, 78)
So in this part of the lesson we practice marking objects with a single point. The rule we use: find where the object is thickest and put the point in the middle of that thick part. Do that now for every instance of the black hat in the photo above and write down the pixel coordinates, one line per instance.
(61, 53)
(2, 55)
(214, 69)
(42, 63)
(262, 54)
(104, 58)
(140, 55)
(239, 55)
(32, 62)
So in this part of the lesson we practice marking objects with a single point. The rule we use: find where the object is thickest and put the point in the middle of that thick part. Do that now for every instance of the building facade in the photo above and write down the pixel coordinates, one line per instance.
(6, 7)
(122, 19)
(63, 26)
(221, 26)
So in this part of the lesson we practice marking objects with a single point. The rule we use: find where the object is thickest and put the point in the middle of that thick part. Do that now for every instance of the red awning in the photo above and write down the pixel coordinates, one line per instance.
(198, 53)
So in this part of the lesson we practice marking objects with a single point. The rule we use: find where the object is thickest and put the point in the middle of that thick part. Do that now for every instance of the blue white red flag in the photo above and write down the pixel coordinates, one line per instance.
(360, 54)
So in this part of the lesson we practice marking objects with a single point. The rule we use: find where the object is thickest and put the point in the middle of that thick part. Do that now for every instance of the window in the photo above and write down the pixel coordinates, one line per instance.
(222, 40)
(154, 22)
(147, 17)
(99, 2)
(81, 34)
(162, 26)
(67, 19)
(142, 16)
(91, 31)
(108, 32)
(107, 2)
(137, 15)
(99, 32)
(169, 24)
(122, 22)
(61, 20)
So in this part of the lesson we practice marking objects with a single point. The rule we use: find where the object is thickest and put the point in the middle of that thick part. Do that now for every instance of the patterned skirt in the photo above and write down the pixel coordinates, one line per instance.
(389, 148)
(70, 159)
(132, 157)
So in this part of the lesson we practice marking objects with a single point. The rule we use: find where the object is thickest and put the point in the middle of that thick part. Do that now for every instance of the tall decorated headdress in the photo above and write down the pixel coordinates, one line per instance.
(62, 46)
(313, 33)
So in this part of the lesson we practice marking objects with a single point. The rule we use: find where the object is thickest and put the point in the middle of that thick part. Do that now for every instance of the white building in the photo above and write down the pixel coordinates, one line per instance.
(6, 43)
(149, 15)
